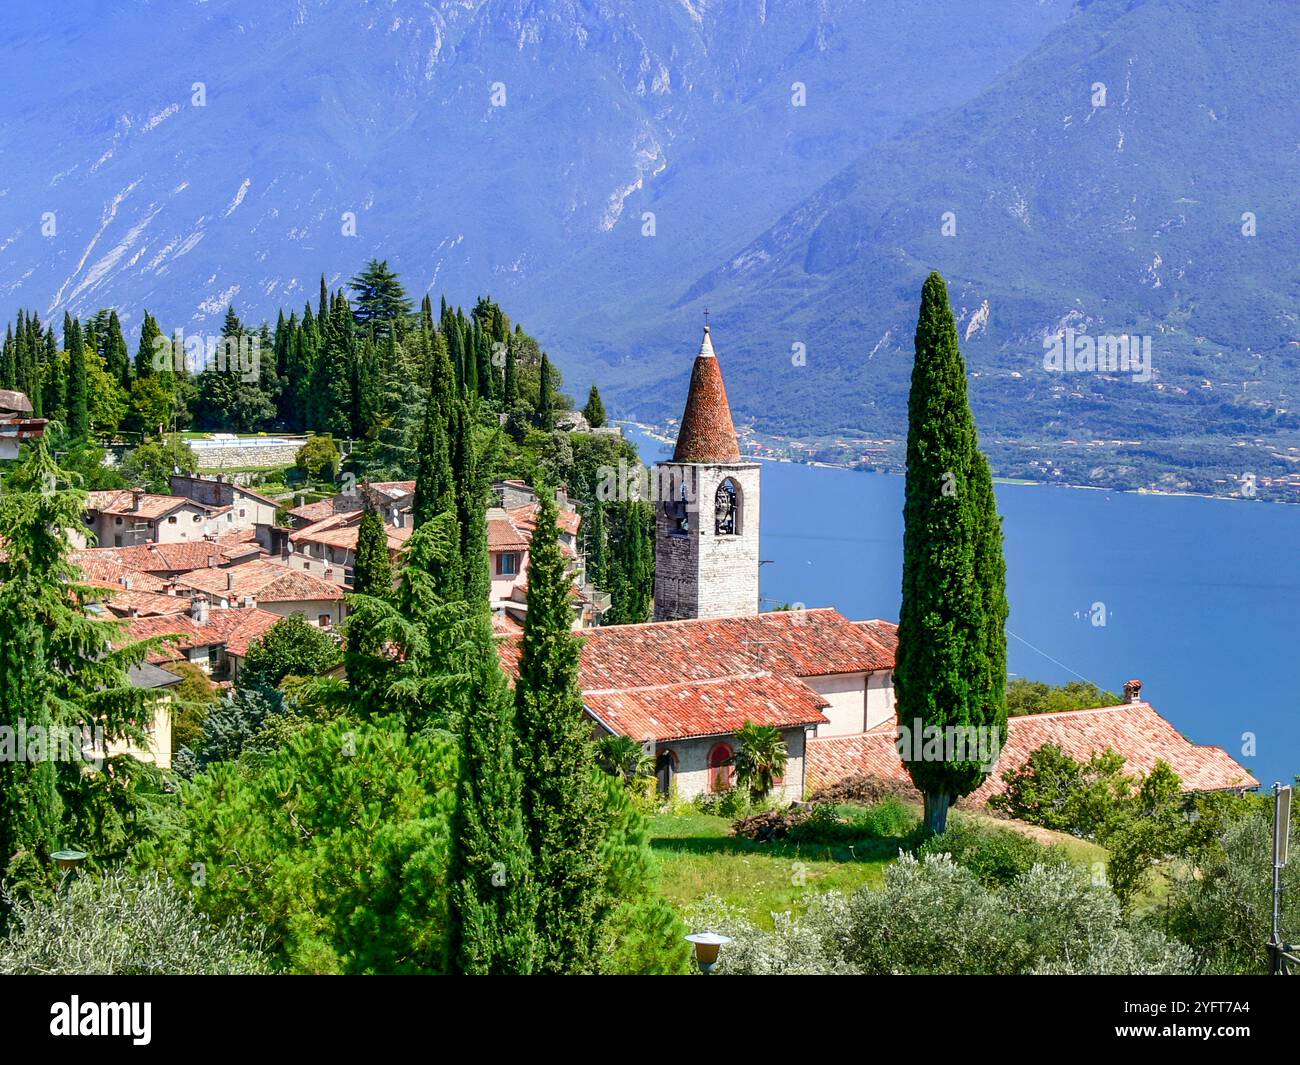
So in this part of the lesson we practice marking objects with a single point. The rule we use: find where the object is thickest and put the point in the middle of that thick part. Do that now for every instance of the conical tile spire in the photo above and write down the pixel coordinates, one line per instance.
(707, 433)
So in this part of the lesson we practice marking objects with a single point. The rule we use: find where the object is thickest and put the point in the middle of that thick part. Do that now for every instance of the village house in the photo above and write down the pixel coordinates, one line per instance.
(131, 516)
(271, 587)
(684, 684)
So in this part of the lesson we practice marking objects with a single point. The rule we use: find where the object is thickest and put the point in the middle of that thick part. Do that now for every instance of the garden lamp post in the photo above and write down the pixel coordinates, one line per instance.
(707, 947)
(69, 861)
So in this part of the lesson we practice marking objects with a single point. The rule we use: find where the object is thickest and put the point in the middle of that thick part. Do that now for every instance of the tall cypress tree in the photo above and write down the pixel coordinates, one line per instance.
(117, 360)
(951, 668)
(372, 573)
(493, 897)
(595, 537)
(546, 397)
(471, 506)
(563, 808)
(78, 383)
(150, 334)
(511, 386)
(435, 490)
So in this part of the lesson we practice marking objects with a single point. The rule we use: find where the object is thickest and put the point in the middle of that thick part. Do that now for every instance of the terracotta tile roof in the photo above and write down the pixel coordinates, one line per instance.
(165, 558)
(268, 581)
(145, 604)
(525, 519)
(343, 529)
(707, 433)
(313, 512)
(393, 489)
(234, 629)
(707, 708)
(1134, 730)
(240, 627)
(151, 506)
(110, 573)
(680, 673)
(503, 535)
(787, 643)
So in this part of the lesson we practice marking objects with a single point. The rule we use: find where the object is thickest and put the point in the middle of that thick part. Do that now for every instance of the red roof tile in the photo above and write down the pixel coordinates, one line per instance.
(788, 643)
(150, 506)
(707, 708)
(166, 558)
(707, 433)
(1134, 730)
(268, 581)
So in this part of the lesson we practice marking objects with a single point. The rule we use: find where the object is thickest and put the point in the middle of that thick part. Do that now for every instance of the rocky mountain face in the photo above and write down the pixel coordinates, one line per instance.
(182, 156)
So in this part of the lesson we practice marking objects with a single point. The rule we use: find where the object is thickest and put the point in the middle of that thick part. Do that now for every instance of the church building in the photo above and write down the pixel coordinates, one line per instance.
(683, 684)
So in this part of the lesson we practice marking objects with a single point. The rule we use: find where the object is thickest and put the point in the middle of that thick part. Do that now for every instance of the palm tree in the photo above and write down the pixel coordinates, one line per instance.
(622, 756)
(761, 759)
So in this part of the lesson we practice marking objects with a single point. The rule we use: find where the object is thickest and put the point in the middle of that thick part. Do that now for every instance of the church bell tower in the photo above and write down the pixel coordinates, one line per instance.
(706, 523)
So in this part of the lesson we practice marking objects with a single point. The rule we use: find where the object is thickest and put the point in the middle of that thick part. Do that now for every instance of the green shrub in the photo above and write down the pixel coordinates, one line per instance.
(994, 855)
(888, 819)
(121, 925)
(934, 916)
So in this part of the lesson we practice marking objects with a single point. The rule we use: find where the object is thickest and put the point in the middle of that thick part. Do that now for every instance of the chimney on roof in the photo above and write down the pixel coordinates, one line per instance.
(199, 609)
(230, 581)
(1133, 691)
(127, 583)
(136, 495)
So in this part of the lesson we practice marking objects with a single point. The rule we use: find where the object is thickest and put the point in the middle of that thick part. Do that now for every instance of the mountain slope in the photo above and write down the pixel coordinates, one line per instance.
(1125, 218)
(383, 110)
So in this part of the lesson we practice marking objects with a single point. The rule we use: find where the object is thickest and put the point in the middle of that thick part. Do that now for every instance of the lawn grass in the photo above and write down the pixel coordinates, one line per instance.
(697, 857)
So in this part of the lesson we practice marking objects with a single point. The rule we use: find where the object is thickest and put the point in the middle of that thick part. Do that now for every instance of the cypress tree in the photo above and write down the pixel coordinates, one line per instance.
(150, 334)
(78, 384)
(511, 388)
(54, 380)
(594, 411)
(117, 359)
(563, 808)
(595, 537)
(546, 397)
(435, 490)
(372, 573)
(471, 507)
(951, 668)
(493, 899)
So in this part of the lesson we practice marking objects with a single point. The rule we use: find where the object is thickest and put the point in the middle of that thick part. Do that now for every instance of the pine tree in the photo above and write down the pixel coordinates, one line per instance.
(58, 669)
(563, 808)
(381, 300)
(594, 411)
(372, 573)
(951, 667)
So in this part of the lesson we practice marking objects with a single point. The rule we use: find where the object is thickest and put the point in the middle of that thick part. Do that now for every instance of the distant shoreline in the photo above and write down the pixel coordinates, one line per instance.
(658, 434)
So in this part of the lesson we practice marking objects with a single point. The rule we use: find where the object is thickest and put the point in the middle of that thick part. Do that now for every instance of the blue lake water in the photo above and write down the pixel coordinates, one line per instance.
(1201, 596)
